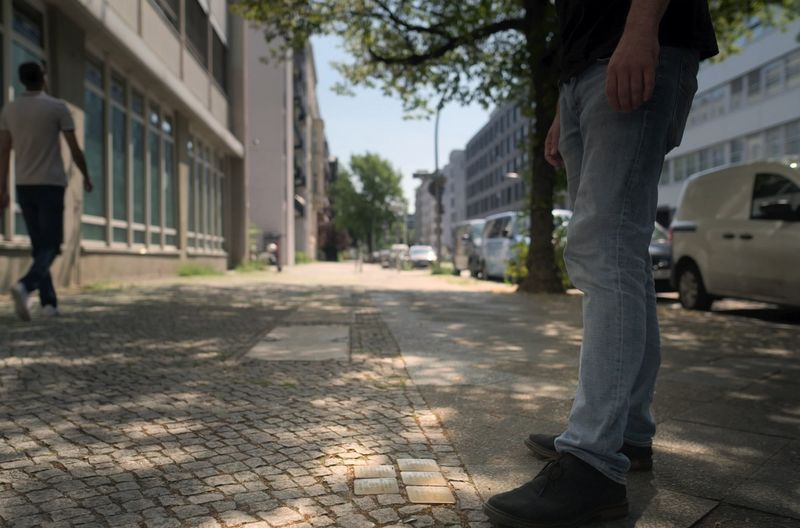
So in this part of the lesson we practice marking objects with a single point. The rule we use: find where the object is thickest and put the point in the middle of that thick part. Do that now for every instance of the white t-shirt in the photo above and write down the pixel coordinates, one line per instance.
(35, 121)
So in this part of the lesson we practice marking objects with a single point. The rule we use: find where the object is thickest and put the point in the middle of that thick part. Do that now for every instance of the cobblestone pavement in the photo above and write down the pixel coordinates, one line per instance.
(138, 408)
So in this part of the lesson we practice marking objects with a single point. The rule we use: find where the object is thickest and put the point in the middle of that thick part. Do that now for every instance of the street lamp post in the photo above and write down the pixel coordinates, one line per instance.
(436, 182)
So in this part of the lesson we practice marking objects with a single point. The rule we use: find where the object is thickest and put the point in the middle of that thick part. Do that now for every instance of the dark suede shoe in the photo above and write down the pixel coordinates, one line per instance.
(567, 493)
(544, 446)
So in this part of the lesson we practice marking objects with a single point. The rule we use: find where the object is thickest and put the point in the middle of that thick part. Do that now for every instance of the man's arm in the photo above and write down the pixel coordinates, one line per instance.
(632, 68)
(5, 160)
(78, 158)
(551, 153)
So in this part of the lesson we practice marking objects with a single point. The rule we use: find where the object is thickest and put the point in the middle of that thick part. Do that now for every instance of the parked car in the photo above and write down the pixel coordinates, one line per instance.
(398, 254)
(501, 235)
(421, 256)
(661, 259)
(467, 239)
(736, 233)
(385, 258)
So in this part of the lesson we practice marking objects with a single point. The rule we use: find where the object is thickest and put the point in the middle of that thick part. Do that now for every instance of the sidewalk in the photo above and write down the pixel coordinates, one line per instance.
(140, 407)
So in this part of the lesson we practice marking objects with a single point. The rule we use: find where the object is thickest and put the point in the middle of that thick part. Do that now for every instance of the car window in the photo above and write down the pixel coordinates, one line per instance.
(502, 224)
(495, 227)
(775, 197)
(477, 230)
(488, 228)
(660, 235)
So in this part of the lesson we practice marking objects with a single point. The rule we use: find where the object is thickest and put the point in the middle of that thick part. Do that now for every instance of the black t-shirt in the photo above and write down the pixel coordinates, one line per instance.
(591, 29)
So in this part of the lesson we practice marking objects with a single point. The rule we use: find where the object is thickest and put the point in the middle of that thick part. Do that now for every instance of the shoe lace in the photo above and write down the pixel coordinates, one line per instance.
(554, 471)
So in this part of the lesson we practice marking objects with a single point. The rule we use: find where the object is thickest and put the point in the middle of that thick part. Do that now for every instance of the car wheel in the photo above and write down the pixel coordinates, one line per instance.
(691, 290)
(484, 273)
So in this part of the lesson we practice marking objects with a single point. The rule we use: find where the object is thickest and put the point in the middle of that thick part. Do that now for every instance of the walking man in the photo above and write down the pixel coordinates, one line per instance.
(629, 73)
(31, 125)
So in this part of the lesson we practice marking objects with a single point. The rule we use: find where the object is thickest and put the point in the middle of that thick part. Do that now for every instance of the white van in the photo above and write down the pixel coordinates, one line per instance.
(736, 233)
(501, 235)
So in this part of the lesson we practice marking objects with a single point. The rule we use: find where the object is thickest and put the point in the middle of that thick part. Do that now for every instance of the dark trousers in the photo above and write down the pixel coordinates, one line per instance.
(43, 210)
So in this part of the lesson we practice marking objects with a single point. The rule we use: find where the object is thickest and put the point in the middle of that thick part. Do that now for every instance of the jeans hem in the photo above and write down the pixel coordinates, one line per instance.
(636, 443)
(597, 464)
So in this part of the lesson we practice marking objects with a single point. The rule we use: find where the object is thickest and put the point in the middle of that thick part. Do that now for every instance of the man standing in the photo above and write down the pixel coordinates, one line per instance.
(31, 125)
(629, 73)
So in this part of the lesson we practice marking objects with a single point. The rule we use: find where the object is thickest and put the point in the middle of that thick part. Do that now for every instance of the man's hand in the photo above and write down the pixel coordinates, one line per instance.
(551, 153)
(632, 70)
(87, 184)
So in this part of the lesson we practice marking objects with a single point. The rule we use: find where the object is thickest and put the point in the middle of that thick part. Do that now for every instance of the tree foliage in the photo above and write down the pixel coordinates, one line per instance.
(366, 198)
(486, 51)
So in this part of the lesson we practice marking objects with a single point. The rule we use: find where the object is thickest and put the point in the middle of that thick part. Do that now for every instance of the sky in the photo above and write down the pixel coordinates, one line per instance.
(369, 121)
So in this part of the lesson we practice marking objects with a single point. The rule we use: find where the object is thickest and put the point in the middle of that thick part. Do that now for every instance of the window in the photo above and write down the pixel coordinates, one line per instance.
(664, 179)
(94, 205)
(737, 93)
(791, 138)
(772, 77)
(119, 155)
(220, 62)
(691, 164)
(680, 168)
(755, 147)
(154, 183)
(717, 155)
(704, 159)
(774, 143)
(170, 10)
(168, 182)
(753, 85)
(28, 23)
(737, 151)
(197, 30)
(138, 143)
(775, 198)
(793, 69)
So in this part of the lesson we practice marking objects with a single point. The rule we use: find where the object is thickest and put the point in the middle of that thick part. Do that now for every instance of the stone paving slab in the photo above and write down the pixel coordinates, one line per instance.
(139, 408)
(304, 343)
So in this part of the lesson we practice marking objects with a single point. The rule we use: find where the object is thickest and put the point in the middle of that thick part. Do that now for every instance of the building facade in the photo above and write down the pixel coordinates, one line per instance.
(151, 85)
(747, 108)
(496, 151)
(454, 197)
(288, 160)
(424, 214)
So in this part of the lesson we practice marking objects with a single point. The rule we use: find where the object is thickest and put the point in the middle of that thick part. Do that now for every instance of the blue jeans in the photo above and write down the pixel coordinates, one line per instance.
(43, 210)
(614, 161)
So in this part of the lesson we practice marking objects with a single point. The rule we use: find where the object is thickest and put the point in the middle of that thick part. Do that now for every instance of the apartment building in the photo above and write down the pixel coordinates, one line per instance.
(288, 160)
(747, 108)
(454, 197)
(424, 213)
(491, 155)
(155, 89)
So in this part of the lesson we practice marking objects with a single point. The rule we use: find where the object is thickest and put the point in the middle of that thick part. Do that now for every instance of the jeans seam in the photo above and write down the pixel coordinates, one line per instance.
(635, 167)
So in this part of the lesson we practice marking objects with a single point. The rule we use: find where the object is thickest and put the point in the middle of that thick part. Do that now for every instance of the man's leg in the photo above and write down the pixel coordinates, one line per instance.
(43, 209)
(641, 425)
(607, 258)
(52, 225)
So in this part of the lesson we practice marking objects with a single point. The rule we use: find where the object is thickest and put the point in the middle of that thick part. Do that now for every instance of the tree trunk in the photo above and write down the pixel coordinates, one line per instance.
(543, 274)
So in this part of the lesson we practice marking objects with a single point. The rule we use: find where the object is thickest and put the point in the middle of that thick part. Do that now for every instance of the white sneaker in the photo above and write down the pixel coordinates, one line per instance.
(49, 310)
(21, 298)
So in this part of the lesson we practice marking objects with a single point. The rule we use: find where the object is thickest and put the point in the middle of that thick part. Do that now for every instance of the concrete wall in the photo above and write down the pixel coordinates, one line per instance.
(160, 38)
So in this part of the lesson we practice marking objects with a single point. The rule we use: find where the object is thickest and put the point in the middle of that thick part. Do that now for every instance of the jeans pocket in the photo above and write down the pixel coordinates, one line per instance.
(687, 87)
